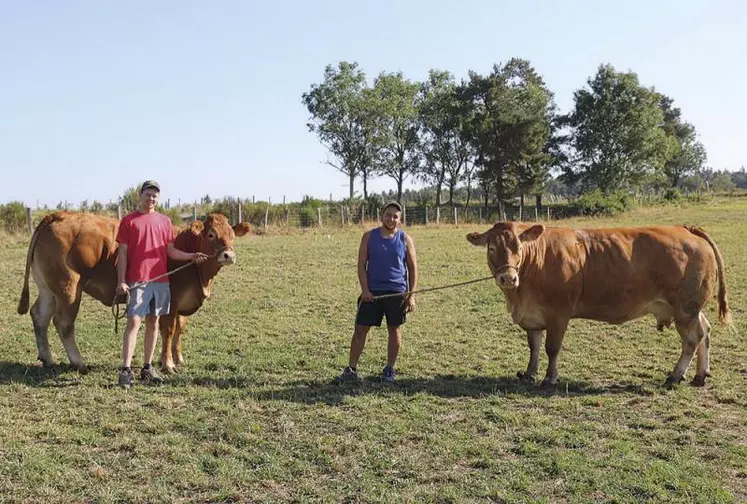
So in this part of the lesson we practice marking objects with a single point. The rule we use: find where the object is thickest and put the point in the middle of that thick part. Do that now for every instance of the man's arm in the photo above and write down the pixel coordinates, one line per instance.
(179, 255)
(122, 269)
(362, 273)
(412, 273)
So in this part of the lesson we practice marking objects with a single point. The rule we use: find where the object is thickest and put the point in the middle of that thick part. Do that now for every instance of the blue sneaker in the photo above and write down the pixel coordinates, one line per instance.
(388, 374)
(348, 374)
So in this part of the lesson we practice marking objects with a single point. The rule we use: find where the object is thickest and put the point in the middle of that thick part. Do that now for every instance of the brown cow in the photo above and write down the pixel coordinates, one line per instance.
(551, 275)
(71, 253)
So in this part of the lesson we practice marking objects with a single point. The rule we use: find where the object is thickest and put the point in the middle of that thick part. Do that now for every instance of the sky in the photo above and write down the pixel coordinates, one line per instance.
(205, 97)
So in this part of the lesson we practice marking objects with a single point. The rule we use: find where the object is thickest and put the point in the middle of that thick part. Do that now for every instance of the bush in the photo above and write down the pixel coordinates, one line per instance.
(595, 203)
(13, 217)
(672, 194)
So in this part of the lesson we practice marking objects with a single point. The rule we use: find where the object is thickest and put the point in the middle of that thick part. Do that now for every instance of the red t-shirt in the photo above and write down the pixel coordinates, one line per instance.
(146, 236)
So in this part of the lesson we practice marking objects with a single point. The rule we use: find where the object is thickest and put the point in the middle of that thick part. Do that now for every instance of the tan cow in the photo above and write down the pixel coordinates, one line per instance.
(550, 275)
(72, 253)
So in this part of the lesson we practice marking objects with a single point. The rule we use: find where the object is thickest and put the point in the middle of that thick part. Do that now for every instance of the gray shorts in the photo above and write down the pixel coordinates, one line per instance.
(153, 298)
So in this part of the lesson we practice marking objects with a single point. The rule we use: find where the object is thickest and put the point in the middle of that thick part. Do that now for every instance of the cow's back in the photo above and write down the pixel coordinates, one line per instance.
(77, 249)
(628, 272)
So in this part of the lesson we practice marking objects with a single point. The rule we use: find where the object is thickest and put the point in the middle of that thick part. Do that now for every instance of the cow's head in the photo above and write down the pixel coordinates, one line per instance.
(506, 244)
(215, 237)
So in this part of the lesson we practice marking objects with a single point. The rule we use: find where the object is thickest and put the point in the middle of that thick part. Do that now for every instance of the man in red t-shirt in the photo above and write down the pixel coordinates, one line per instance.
(146, 241)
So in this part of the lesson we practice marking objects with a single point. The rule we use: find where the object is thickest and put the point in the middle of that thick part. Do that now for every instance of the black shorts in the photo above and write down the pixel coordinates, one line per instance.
(371, 314)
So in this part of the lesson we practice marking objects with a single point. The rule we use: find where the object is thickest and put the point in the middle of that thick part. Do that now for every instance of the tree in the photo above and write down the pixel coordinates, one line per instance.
(526, 119)
(722, 182)
(435, 114)
(483, 98)
(130, 198)
(446, 151)
(510, 112)
(338, 117)
(617, 131)
(688, 155)
(396, 121)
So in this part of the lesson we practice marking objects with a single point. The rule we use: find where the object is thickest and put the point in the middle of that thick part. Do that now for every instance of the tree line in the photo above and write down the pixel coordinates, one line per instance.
(501, 132)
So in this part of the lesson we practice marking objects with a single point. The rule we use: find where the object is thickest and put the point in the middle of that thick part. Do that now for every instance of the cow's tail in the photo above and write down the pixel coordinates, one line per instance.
(23, 303)
(724, 314)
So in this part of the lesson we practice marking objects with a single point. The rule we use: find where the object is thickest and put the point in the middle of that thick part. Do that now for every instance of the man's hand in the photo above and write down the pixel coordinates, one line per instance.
(199, 257)
(409, 303)
(367, 296)
(123, 289)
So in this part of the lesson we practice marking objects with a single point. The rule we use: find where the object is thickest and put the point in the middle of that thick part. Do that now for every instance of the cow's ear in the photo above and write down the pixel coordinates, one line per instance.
(532, 233)
(242, 228)
(196, 227)
(478, 239)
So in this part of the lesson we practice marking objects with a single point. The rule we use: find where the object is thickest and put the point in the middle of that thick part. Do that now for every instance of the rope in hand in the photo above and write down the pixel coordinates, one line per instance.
(119, 314)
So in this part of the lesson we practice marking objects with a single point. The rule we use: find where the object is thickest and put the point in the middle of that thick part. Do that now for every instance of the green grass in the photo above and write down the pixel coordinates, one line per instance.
(254, 415)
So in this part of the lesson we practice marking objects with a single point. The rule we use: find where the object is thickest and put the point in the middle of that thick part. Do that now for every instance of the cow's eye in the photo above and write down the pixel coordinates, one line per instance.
(211, 235)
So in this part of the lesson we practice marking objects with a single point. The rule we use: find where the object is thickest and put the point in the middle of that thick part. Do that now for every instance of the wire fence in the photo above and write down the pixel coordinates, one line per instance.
(348, 215)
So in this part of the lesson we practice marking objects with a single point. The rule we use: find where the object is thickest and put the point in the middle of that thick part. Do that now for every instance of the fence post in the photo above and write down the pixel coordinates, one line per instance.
(267, 211)
(342, 216)
(29, 220)
(404, 215)
(240, 211)
(319, 215)
(536, 212)
(455, 216)
(363, 214)
(438, 215)
(479, 214)
(548, 213)
(231, 216)
(287, 215)
(426, 215)
(119, 212)
(521, 212)
(194, 213)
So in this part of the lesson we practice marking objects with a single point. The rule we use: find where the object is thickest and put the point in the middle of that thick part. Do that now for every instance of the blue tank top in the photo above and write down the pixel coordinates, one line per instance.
(387, 261)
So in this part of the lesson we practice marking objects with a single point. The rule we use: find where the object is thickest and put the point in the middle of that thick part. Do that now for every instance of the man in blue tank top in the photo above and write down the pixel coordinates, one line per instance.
(386, 265)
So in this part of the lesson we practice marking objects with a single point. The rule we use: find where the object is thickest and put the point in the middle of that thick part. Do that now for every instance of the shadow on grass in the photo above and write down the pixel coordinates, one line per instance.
(39, 376)
(332, 392)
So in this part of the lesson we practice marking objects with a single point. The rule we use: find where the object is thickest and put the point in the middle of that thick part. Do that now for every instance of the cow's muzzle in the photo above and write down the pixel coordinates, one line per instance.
(507, 276)
(227, 257)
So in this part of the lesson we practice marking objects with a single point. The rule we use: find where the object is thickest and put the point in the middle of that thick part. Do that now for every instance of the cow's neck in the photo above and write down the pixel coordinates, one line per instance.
(532, 262)
(207, 272)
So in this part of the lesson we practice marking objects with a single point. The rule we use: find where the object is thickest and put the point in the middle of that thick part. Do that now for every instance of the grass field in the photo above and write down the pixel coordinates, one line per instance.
(254, 415)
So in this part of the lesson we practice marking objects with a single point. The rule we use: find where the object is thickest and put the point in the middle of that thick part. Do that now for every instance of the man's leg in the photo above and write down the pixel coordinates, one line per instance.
(151, 337)
(395, 317)
(357, 344)
(394, 344)
(148, 374)
(129, 340)
(128, 349)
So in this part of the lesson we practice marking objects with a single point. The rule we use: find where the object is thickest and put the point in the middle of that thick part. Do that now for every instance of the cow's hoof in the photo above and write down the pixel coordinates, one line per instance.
(170, 370)
(698, 381)
(547, 383)
(46, 363)
(525, 377)
(671, 381)
(179, 360)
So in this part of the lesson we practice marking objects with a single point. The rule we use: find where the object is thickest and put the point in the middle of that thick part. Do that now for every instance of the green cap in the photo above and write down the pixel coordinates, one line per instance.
(150, 184)
(393, 203)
